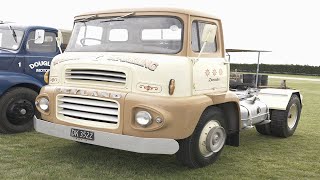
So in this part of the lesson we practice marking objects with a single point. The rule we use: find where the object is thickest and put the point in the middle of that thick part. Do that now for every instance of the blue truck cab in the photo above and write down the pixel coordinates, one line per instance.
(25, 56)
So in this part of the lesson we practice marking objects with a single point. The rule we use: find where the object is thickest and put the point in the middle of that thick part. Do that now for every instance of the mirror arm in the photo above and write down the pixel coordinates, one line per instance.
(200, 53)
(210, 35)
(202, 48)
(59, 45)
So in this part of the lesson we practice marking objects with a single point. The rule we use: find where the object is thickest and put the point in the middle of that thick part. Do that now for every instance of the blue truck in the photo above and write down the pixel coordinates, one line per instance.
(25, 56)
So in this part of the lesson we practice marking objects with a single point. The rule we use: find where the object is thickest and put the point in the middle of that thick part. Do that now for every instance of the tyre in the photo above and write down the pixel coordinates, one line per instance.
(263, 129)
(205, 145)
(264, 80)
(249, 79)
(284, 123)
(17, 109)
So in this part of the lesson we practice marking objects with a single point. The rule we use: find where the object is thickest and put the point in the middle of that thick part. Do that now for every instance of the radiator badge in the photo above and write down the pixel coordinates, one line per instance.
(149, 88)
(92, 93)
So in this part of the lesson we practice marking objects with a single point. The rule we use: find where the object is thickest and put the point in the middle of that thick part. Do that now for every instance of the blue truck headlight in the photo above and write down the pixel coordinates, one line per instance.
(143, 118)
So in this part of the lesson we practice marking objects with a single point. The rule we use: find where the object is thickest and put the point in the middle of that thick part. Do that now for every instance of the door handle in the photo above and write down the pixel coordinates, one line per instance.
(226, 62)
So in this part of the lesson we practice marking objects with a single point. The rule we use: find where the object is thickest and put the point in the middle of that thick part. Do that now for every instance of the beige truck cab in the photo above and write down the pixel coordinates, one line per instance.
(154, 81)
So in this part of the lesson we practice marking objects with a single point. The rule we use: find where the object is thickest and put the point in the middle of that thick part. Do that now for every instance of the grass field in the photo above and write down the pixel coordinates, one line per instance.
(37, 156)
(296, 76)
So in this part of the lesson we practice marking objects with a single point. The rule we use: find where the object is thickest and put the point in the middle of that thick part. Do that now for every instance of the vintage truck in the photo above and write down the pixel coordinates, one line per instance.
(25, 56)
(156, 81)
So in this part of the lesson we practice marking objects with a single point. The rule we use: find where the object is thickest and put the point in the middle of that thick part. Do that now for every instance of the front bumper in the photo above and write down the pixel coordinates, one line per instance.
(111, 140)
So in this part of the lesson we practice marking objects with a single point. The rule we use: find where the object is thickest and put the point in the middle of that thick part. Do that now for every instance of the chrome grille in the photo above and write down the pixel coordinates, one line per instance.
(108, 76)
(80, 110)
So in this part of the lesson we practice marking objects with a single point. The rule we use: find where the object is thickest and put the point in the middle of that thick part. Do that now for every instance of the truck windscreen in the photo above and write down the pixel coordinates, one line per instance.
(142, 34)
(8, 40)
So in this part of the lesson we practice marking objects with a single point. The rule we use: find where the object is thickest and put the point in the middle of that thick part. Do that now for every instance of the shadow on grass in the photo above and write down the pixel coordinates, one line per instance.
(80, 155)
(101, 158)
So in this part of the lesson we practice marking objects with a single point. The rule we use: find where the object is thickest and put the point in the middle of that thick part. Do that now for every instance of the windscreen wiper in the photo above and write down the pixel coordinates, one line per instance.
(120, 18)
(14, 35)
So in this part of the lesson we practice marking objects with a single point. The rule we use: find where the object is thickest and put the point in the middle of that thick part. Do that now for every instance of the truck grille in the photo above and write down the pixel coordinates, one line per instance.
(108, 76)
(87, 111)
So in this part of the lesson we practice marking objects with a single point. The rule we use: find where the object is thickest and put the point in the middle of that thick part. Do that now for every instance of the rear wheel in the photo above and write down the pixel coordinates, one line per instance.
(17, 110)
(284, 123)
(204, 146)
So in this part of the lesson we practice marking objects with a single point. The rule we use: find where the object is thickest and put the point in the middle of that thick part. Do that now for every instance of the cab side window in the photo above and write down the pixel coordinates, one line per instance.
(49, 45)
(196, 43)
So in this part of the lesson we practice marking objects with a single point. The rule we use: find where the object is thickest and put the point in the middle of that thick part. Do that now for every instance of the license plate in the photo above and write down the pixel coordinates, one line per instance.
(82, 134)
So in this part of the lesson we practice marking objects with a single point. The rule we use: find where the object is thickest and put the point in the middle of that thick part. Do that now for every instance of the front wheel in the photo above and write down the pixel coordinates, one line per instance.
(17, 110)
(204, 146)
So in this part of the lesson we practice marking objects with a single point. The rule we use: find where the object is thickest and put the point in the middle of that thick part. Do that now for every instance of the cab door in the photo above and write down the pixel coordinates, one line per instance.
(39, 55)
(210, 69)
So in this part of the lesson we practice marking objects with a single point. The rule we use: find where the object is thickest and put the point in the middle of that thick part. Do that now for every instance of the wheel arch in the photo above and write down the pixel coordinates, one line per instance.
(278, 99)
(18, 80)
(299, 96)
(27, 85)
(231, 111)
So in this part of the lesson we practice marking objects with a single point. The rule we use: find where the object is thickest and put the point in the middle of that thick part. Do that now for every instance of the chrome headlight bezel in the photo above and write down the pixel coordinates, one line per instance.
(43, 104)
(143, 118)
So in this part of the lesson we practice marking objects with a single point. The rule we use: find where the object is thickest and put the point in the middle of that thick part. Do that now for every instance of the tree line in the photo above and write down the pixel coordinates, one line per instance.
(277, 69)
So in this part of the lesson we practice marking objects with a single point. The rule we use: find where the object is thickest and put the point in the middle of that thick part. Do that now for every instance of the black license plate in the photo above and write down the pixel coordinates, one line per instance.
(82, 134)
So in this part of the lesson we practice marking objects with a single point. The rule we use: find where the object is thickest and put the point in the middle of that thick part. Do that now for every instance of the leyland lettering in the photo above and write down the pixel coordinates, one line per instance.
(93, 93)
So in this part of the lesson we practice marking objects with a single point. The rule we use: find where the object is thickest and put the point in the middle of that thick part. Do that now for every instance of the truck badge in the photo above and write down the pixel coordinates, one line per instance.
(93, 93)
(207, 72)
(149, 88)
(214, 72)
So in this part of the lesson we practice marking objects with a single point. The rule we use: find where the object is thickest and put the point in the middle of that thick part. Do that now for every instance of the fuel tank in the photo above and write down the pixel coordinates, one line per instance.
(253, 110)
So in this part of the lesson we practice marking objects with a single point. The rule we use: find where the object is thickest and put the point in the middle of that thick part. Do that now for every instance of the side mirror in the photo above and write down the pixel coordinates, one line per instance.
(209, 33)
(59, 39)
(39, 36)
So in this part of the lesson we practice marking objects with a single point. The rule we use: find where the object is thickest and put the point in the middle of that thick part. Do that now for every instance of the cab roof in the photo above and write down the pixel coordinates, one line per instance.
(169, 10)
(24, 27)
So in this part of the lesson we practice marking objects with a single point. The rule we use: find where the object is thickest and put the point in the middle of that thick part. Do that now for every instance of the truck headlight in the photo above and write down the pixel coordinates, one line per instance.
(143, 118)
(43, 104)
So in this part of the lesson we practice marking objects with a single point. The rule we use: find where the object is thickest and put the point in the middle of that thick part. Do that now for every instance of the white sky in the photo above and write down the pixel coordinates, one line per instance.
(291, 29)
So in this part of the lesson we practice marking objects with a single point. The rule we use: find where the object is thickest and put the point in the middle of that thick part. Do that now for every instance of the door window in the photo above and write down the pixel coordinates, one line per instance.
(196, 43)
(48, 46)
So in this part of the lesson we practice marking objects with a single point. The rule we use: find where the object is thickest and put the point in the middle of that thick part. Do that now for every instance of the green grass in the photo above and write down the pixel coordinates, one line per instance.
(36, 156)
(295, 76)
(287, 75)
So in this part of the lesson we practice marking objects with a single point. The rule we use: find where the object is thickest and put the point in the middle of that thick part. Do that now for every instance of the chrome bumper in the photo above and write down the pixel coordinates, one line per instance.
(116, 141)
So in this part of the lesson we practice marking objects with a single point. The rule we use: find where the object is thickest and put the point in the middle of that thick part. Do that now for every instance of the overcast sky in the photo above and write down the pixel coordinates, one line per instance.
(290, 29)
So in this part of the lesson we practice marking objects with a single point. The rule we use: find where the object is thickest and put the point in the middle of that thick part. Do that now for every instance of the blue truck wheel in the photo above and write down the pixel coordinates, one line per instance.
(17, 110)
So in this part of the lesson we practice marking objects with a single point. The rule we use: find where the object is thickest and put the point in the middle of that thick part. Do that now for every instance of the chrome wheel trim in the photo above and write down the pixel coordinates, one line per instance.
(292, 116)
(212, 138)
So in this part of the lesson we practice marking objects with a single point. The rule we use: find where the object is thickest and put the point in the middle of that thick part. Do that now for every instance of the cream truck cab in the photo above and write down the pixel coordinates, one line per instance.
(156, 81)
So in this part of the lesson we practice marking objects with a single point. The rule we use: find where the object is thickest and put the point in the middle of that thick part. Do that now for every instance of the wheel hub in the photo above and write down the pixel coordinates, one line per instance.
(23, 111)
(20, 112)
(212, 138)
(292, 116)
(215, 139)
